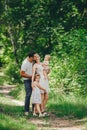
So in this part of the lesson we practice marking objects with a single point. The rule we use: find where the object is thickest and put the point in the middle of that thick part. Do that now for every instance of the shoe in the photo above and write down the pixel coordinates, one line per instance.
(41, 115)
(45, 114)
(34, 114)
(26, 113)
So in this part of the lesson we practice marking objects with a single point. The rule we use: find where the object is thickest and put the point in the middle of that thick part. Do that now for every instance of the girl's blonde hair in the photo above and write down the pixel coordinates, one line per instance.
(48, 56)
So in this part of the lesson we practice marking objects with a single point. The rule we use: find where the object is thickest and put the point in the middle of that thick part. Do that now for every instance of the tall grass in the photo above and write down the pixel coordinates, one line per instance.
(12, 116)
(3, 80)
(61, 104)
(18, 92)
(67, 105)
(10, 123)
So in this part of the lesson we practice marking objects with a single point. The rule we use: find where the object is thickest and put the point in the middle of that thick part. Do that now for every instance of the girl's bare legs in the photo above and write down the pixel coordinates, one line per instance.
(34, 112)
(38, 108)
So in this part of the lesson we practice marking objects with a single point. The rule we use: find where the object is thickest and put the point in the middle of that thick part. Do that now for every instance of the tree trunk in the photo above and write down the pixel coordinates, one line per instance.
(13, 43)
(11, 33)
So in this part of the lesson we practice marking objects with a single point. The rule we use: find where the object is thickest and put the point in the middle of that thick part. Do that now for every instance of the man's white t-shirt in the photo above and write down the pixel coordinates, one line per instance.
(27, 67)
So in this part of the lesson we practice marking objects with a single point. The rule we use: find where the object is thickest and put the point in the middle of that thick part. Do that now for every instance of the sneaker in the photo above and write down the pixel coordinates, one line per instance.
(26, 113)
(34, 114)
(45, 114)
(41, 115)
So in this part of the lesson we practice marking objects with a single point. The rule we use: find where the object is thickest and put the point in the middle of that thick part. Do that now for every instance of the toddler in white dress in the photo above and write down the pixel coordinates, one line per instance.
(36, 95)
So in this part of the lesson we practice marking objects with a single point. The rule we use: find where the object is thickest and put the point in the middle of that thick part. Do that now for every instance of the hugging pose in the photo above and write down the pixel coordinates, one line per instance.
(36, 82)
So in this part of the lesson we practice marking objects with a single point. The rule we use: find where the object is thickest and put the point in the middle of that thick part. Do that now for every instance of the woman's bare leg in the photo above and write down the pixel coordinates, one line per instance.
(42, 102)
(45, 99)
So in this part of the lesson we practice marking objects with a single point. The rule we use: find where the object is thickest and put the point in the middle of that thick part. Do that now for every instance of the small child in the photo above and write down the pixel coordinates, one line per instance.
(36, 95)
(46, 65)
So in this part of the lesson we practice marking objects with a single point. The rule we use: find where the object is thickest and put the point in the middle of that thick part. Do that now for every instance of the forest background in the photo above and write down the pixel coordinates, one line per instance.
(55, 27)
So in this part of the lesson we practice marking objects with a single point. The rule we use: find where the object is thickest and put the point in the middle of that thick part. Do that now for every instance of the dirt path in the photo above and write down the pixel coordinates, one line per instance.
(50, 123)
(55, 123)
(5, 91)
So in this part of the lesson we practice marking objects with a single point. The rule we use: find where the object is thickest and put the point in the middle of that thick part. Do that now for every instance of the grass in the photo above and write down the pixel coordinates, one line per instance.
(60, 104)
(68, 105)
(9, 123)
(3, 80)
(12, 116)
(18, 92)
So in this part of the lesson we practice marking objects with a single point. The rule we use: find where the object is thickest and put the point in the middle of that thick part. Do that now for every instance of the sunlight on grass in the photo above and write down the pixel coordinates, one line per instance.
(67, 105)
(18, 92)
(12, 116)
(9, 123)
(8, 101)
(3, 78)
(61, 104)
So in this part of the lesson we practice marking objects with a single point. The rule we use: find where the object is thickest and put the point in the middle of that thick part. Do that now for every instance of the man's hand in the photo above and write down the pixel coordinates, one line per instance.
(23, 74)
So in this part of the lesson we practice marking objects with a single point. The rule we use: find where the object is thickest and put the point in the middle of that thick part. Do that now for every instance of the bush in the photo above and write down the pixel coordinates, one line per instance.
(69, 63)
(13, 72)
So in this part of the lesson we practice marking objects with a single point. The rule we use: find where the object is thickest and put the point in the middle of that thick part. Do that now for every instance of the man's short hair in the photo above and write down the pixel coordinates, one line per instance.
(31, 54)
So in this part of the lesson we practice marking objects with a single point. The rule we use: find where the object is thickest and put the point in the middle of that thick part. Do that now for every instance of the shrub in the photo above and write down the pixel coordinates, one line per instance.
(13, 72)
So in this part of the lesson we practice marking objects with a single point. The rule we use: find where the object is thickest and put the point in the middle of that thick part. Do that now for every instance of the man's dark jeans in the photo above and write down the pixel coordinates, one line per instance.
(28, 90)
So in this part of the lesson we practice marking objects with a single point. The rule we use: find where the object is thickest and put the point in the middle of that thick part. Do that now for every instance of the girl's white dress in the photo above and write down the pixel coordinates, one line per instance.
(36, 95)
(43, 82)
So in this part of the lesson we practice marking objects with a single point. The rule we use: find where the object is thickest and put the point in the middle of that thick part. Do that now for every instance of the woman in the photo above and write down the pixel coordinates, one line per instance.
(38, 68)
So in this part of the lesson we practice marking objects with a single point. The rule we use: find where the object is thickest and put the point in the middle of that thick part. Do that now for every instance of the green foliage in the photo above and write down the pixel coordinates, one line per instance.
(3, 80)
(69, 63)
(13, 72)
(18, 92)
(8, 123)
(54, 27)
(12, 116)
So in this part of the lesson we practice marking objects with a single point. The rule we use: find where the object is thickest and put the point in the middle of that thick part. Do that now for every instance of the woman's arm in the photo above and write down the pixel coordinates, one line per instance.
(40, 87)
(48, 70)
(45, 74)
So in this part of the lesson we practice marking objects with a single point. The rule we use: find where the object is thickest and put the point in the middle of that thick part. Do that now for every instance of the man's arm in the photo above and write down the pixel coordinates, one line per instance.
(23, 74)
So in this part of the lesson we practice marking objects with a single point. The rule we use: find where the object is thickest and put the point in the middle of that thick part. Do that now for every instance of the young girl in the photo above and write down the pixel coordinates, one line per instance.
(46, 65)
(36, 95)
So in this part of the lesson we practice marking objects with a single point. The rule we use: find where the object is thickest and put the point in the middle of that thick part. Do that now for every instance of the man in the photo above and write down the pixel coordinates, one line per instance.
(26, 73)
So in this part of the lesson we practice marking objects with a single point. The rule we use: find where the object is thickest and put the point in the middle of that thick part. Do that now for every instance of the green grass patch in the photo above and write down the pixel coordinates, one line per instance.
(18, 92)
(1, 80)
(60, 104)
(10, 123)
(12, 116)
(67, 105)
